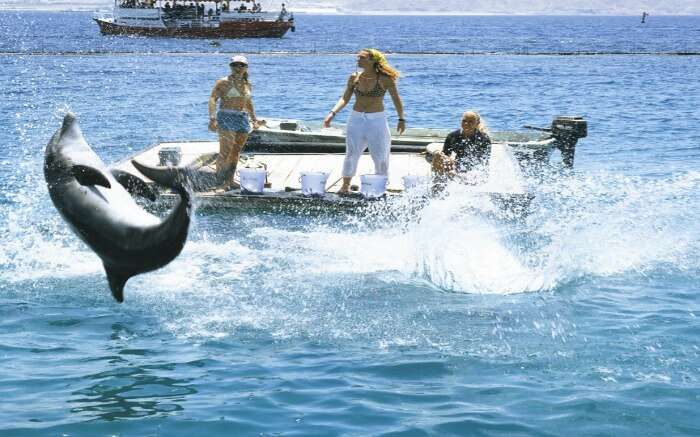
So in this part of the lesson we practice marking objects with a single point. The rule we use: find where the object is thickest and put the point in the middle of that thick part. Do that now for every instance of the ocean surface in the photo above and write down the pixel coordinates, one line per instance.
(581, 318)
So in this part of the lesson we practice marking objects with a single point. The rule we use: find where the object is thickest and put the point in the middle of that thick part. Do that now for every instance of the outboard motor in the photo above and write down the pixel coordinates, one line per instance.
(567, 130)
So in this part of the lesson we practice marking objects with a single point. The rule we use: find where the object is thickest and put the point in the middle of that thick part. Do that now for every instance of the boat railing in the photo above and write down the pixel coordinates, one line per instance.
(174, 10)
(247, 15)
(179, 14)
(134, 4)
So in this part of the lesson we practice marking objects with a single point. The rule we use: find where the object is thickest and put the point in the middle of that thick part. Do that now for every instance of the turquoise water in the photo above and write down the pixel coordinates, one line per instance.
(581, 318)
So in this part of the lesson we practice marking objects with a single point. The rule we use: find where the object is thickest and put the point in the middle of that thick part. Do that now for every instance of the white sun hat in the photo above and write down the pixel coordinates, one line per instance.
(238, 58)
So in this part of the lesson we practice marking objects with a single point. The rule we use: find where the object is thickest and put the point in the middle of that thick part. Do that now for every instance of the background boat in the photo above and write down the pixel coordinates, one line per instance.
(189, 19)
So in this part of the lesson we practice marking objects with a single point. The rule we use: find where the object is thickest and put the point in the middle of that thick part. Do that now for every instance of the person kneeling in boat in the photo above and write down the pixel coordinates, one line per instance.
(465, 149)
(367, 124)
(233, 119)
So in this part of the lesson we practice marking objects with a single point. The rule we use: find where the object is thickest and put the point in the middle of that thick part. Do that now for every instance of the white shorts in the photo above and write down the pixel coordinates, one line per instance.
(367, 129)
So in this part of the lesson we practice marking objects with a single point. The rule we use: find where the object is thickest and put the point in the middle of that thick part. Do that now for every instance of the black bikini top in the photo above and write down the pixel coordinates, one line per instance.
(377, 91)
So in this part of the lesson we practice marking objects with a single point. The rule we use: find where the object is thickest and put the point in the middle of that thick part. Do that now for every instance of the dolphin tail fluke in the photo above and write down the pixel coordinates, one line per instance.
(164, 176)
(169, 236)
(117, 281)
(197, 179)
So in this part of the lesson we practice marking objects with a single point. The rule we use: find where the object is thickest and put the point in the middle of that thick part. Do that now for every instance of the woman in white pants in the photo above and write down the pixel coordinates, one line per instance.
(367, 124)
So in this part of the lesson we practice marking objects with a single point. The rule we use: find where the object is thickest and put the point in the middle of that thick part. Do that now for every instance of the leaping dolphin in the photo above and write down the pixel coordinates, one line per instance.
(101, 212)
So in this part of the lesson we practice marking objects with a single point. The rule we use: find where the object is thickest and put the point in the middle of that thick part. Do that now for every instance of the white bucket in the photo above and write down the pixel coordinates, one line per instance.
(169, 156)
(411, 182)
(373, 185)
(252, 180)
(313, 183)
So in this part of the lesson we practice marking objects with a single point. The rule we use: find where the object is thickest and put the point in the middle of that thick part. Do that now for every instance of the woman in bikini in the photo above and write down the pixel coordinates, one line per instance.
(367, 124)
(233, 119)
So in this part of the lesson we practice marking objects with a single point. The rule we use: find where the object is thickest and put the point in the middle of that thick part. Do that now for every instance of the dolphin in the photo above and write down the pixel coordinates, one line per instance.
(101, 212)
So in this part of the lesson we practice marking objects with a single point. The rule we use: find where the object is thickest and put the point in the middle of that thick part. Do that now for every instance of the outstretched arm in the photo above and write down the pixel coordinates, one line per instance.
(344, 99)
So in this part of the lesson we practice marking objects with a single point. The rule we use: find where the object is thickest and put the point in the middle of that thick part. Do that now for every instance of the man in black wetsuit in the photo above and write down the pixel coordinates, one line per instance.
(470, 145)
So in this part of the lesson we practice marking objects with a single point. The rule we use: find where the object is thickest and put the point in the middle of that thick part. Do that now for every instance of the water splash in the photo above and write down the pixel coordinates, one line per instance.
(457, 249)
(336, 278)
(579, 226)
(603, 224)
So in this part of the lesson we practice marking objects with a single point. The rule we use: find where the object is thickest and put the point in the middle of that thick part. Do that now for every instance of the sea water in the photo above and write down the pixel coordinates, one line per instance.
(578, 319)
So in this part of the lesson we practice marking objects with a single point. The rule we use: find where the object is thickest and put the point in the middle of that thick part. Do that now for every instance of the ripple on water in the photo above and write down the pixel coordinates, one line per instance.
(577, 319)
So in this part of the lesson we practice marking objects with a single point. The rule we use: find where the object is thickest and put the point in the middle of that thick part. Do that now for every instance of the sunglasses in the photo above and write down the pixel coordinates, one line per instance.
(238, 64)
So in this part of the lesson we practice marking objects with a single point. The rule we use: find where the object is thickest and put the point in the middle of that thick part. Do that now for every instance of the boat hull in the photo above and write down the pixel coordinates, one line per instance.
(509, 205)
(239, 29)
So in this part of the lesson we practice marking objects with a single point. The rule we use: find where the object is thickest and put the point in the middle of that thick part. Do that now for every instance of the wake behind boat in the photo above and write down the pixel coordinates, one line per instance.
(285, 152)
(195, 19)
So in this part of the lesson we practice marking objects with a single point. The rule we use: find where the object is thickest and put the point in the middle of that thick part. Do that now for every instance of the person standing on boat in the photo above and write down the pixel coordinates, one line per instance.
(464, 149)
(233, 119)
(367, 124)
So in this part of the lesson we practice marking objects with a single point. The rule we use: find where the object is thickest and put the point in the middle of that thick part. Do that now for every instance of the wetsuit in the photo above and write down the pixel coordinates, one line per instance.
(470, 151)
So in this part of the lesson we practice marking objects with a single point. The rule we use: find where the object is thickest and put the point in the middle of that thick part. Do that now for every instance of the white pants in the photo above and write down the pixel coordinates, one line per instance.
(367, 129)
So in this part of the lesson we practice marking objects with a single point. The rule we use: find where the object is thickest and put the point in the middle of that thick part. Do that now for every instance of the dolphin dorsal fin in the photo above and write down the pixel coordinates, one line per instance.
(86, 175)
(116, 280)
(133, 184)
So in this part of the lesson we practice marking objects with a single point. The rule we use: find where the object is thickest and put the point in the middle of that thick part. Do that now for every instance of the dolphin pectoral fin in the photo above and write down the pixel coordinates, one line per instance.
(116, 281)
(134, 185)
(88, 176)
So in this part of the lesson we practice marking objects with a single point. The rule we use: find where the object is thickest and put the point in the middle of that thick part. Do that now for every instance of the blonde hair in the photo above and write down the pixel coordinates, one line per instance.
(247, 81)
(381, 65)
(480, 123)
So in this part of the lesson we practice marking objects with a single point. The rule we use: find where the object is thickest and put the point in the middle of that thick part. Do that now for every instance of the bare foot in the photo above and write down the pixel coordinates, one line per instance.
(228, 187)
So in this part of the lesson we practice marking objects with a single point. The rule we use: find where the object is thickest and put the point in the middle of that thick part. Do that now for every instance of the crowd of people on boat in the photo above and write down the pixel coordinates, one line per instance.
(255, 7)
(197, 9)
(465, 149)
(137, 4)
(175, 5)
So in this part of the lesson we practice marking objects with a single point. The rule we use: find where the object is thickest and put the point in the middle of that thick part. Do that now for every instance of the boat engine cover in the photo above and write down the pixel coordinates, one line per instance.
(570, 126)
